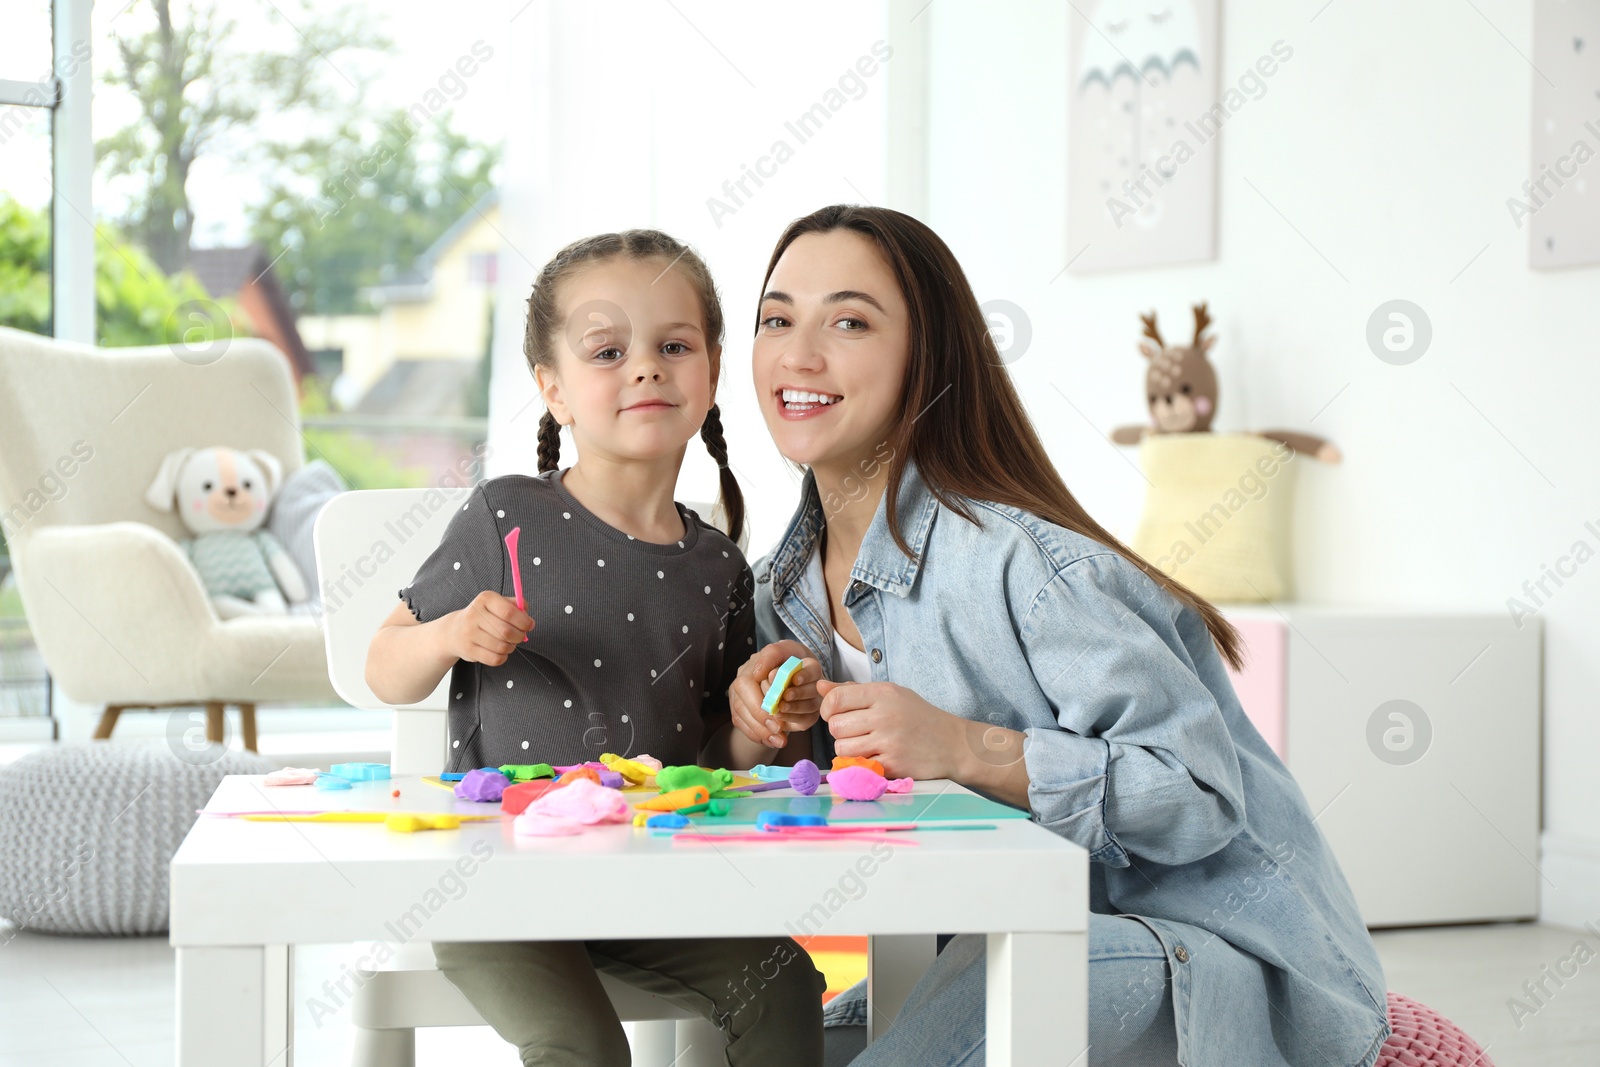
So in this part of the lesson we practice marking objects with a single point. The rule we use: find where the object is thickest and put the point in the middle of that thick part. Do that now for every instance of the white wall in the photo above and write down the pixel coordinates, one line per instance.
(635, 116)
(1390, 141)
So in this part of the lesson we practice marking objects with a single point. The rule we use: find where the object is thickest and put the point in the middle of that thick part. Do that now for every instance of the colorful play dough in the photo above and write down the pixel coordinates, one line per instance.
(857, 783)
(532, 824)
(587, 802)
(771, 820)
(361, 772)
(841, 762)
(780, 683)
(526, 772)
(649, 762)
(575, 773)
(671, 778)
(901, 785)
(632, 771)
(292, 776)
(805, 777)
(516, 798)
(762, 772)
(482, 785)
(677, 798)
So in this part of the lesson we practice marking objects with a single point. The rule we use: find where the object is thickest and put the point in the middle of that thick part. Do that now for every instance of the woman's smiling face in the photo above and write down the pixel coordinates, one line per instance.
(831, 349)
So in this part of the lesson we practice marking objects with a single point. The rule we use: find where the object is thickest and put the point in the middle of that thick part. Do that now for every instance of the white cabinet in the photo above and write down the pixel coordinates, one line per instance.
(1415, 736)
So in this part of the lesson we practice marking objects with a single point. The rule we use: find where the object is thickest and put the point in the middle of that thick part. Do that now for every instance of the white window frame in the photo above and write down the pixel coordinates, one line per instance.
(72, 171)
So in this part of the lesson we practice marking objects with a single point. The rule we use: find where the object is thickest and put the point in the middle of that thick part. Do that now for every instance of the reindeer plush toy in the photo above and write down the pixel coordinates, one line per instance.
(1181, 386)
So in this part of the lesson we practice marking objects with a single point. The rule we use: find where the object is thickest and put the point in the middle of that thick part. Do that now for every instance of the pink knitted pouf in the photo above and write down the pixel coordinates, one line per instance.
(1424, 1038)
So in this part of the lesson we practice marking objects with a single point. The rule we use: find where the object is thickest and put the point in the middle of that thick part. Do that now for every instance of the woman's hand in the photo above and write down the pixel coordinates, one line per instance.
(914, 739)
(895, 726)
(801, 704)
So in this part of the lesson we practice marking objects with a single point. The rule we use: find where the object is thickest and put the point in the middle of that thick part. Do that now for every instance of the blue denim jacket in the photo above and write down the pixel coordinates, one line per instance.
(1136, 749)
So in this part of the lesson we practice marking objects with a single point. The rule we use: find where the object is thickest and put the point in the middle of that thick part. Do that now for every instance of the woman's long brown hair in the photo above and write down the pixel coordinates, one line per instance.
(978, 442)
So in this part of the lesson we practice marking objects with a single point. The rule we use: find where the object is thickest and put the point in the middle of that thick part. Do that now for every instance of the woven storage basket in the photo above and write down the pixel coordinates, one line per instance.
(1218, 512)
(88, 831)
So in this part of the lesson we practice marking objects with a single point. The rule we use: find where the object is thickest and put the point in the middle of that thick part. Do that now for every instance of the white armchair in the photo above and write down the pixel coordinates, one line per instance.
(118, 612)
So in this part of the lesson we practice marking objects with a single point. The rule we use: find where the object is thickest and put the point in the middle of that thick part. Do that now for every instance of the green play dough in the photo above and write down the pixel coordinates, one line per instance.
(527, 772)
(670, 778)
(719, 808)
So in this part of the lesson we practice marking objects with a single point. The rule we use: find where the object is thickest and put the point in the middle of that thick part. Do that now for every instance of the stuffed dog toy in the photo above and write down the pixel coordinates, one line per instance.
(222, 496)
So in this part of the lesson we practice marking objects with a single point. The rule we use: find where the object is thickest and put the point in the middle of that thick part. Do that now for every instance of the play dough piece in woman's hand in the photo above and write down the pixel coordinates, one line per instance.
(857, 783)
(780, 682)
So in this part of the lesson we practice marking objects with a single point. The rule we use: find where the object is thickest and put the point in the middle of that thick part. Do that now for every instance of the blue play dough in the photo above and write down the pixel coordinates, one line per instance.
(764, 773)
(362, 772)
(330, 781)
(667, 820)
(773, 819)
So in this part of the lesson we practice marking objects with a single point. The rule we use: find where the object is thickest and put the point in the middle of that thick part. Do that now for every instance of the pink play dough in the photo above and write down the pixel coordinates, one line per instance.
(532, 824)
(292, 776)
(901, 785)
(857, 783)
(584, 801)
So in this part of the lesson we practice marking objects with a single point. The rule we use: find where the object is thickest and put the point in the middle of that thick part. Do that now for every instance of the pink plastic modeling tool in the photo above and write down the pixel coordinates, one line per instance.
(516, 569)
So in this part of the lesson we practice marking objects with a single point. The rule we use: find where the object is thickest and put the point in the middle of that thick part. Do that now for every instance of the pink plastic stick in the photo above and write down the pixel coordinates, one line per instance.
(798, 833)
(516, 569)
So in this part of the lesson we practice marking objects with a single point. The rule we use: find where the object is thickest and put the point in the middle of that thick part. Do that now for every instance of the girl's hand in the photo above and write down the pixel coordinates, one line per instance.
(487, 630)
(896, 727)
(801, 704)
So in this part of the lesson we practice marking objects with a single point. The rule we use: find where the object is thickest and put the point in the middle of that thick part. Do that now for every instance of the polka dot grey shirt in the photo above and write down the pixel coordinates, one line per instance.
(633, 647)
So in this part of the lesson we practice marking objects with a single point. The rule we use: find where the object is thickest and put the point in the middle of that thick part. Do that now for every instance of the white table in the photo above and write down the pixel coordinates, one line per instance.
(243, 893)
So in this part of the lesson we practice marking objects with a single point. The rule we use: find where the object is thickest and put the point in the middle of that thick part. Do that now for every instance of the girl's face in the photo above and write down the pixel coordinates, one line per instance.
(831, 350)
(634, 374)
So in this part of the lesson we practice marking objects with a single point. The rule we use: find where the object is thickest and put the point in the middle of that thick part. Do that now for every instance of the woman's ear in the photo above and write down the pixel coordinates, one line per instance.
(550, 391)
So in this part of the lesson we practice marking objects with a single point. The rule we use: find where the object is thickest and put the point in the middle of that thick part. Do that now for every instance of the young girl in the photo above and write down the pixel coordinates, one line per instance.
(638, 616)
(1073, 679)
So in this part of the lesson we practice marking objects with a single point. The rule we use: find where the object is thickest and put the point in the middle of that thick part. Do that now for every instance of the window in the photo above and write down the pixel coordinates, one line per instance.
(27, 95)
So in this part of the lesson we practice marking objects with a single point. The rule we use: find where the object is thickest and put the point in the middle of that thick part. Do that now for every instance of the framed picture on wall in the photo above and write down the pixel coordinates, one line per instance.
(1143, 118)
(1559, 205)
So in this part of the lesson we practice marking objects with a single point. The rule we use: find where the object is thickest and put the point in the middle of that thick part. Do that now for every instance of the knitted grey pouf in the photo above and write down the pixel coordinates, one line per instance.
(88, 831)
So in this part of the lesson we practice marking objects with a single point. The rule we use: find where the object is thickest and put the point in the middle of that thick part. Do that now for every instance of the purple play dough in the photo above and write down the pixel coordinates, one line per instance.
(482, 785)
(611, 779)
(805, 777)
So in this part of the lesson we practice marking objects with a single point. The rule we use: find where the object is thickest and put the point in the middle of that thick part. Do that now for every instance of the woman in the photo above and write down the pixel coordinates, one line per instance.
(979, 626)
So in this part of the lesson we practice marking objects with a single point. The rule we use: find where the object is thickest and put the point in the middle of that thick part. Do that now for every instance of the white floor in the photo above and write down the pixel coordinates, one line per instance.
(108, 1002)
(90, 1002)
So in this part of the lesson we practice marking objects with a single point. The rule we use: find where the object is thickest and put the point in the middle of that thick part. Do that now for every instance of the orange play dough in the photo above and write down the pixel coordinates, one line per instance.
(678, 798)
(841, 762)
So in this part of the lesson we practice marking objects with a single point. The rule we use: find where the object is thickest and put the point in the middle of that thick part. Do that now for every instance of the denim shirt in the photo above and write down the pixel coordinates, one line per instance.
(1136, 749)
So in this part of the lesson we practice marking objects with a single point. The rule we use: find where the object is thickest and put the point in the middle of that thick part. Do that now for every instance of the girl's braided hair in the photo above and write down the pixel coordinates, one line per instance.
(545, 324)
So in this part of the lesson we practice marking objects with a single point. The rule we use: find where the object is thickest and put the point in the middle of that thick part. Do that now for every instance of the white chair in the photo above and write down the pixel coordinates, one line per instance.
(119, 613)
(369, 545)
